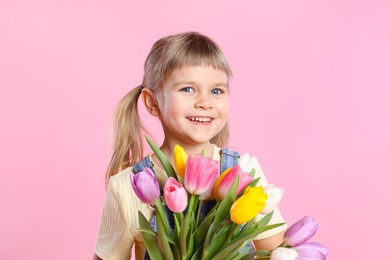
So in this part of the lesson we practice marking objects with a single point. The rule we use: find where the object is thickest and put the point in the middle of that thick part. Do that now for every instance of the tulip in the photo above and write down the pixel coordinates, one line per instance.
(226, 179)
(145, 185)
(180, 158)
(283, 253)
(301, 231)
(248, 163)
(312, 250)
(248, 205)
(200, 175)
(275, 194)
(175, 195)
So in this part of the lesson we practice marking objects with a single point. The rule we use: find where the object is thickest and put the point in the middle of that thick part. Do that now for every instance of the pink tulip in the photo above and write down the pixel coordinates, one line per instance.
(175, 195)
(301, 231)
(145, 185)
(227, 180)
(200, 175)
(312, 250)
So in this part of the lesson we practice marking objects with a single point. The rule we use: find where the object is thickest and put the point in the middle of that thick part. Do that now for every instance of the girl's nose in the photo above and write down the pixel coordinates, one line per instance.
(203, 102)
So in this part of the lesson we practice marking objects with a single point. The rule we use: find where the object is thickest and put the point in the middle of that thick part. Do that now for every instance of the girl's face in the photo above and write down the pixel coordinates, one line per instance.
(194, 105)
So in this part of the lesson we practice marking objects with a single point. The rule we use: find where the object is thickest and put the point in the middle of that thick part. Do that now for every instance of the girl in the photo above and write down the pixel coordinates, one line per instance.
(185, 85)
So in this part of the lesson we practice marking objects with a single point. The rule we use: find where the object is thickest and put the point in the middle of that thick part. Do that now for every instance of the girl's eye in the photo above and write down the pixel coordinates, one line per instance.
(187, 89)
(217, 91)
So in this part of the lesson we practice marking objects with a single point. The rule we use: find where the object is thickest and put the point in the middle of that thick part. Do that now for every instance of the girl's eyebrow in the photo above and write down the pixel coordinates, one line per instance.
(184, 82)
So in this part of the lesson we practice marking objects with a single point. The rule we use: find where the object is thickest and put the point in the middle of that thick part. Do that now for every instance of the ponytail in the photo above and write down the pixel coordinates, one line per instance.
(127, 136)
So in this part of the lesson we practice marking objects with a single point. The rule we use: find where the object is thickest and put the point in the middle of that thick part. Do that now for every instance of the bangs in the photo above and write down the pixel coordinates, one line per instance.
(197, 53)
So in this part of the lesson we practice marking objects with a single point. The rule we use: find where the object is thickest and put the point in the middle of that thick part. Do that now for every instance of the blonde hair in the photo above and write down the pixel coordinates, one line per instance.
(167, 54)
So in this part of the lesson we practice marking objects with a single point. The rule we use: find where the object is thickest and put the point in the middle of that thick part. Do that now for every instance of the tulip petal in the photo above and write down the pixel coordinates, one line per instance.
(313, 246)
(301, 231)
(275, 195)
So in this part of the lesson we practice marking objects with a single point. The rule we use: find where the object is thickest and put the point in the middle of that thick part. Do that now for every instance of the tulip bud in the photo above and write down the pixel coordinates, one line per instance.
(226, 179)
(248, 205)
(200, 175)
(145, 185)
(180, 158)
(175, 195)
(275, 194)
(283, 253)
(301, 231)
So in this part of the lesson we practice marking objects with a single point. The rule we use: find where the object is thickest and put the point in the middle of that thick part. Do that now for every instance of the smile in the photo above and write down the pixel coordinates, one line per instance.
(200, 119)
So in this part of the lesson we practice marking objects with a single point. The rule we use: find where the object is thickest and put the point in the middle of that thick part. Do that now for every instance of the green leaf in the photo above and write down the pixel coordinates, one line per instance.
(198, 253)
(190, 240)
(150, 240)
(187, 227)
(219, 238)
(201, 231)
(164, 219)
(265, 220)
(163, 160)
(247, 225)
(224, 209)
(223, 212)
(176, 232)
(252, 172)
(243, 238)
(162, 238)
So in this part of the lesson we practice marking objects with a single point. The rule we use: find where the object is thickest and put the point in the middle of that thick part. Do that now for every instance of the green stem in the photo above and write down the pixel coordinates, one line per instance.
(198, 212)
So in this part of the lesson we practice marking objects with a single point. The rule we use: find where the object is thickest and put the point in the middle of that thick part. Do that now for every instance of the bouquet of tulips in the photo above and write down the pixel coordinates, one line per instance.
(228, 226)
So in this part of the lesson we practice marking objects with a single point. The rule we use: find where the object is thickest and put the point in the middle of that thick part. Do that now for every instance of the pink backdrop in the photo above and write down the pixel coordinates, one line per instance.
(310, 97)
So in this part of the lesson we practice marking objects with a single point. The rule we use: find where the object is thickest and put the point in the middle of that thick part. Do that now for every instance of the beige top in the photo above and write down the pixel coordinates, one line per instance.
(119, 228)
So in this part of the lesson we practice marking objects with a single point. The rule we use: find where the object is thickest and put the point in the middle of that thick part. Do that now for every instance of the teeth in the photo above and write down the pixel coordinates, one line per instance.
(200, 119)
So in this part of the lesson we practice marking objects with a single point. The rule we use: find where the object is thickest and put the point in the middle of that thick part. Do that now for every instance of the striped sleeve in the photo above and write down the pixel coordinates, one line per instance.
(114, 238)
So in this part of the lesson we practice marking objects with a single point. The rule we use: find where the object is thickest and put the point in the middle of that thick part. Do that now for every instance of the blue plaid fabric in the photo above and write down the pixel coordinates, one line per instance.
(228, 159)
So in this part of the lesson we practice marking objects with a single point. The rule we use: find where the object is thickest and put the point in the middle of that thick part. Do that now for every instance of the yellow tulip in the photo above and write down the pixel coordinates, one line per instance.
(248, 205)
(180, 158)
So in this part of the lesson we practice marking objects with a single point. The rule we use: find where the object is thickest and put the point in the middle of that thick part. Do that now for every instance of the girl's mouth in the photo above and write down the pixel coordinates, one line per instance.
(200, 119)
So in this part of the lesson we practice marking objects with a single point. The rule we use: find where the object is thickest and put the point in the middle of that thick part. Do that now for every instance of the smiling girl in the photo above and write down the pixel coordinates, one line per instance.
(185, 85)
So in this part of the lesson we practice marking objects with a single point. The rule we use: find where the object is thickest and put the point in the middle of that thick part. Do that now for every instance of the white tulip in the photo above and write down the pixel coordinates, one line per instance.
(275, 194)
(248, 163)
(283, 253)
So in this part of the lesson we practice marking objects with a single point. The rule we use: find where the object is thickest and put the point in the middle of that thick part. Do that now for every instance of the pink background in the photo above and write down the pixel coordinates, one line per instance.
(310, 97)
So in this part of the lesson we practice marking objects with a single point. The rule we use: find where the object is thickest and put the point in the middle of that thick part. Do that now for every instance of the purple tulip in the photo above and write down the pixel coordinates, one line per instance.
(312, 250)
(301, 231)
(145, 185)
(201, 173)
(175, 195)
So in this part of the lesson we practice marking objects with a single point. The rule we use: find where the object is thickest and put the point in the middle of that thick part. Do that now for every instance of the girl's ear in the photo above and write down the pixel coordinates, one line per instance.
(150, 101)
